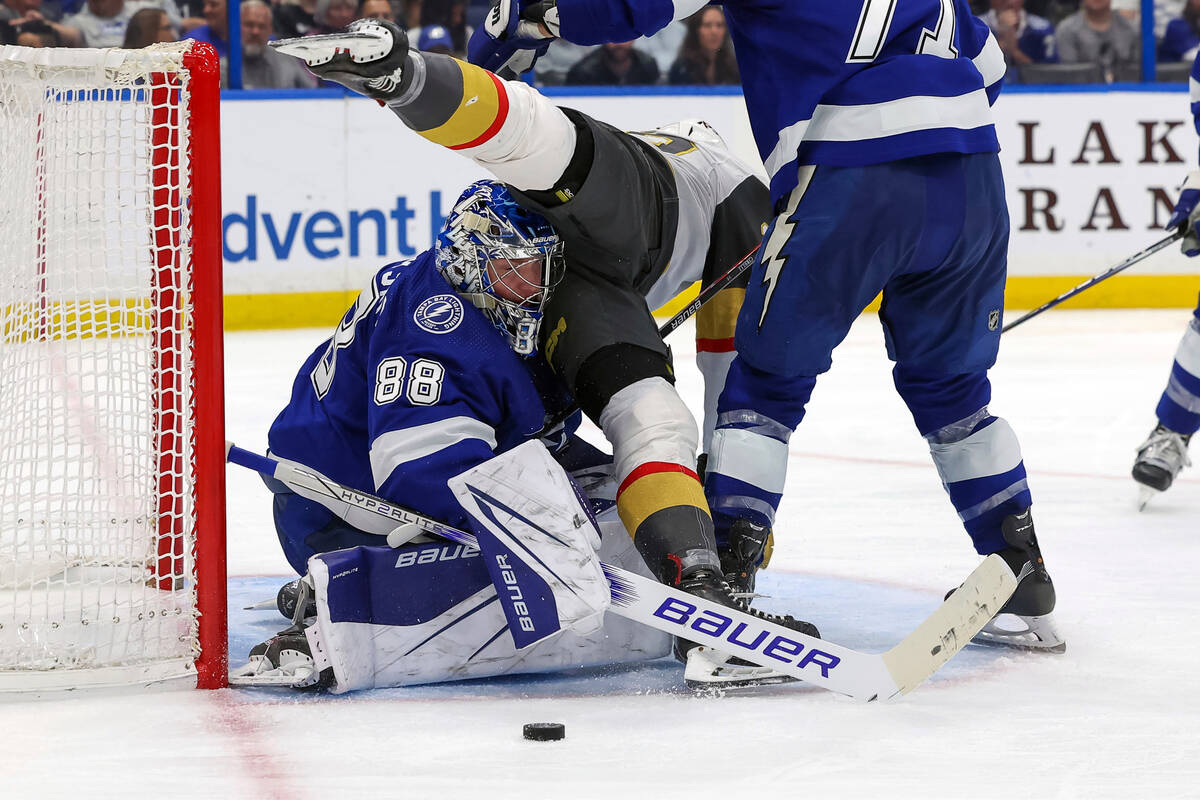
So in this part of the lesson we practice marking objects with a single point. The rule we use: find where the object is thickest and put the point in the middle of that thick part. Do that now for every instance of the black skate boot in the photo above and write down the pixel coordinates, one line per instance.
(1024, 621)
(748, 551)
(709, 669)
(1159, 460)
(369, 56)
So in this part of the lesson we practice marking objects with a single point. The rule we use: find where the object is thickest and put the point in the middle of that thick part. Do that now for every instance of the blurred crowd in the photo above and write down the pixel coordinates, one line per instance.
(1091, 41)
(1044, 41)
(692, 51)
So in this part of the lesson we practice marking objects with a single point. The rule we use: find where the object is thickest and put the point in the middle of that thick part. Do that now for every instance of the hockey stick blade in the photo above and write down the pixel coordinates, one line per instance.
(863, 676)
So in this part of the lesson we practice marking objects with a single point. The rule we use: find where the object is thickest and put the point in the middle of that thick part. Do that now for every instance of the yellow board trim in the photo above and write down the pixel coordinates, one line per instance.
(645, 496)
(476, 110)
(244, 312)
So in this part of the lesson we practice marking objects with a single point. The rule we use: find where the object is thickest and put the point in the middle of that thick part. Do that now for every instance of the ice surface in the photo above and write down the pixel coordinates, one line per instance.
(866, 544)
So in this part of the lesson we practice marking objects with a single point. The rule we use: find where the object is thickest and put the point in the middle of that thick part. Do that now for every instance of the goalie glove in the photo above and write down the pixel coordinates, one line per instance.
(1186, 214)
(512, 36)
(369, 57)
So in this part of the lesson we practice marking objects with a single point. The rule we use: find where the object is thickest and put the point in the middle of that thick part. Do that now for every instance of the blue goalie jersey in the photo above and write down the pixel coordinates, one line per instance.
(415, 386)
(838, 82)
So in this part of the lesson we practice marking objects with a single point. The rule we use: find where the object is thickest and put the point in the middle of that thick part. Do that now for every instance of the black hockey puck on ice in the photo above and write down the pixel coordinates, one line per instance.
(544, 731)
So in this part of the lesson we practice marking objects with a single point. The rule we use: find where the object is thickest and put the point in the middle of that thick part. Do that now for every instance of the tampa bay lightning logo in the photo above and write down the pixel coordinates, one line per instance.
(441, 313)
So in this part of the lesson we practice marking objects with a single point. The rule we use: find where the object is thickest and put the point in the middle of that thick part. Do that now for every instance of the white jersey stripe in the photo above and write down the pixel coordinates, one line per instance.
(990, 61)
(411, 444)
(877, 120)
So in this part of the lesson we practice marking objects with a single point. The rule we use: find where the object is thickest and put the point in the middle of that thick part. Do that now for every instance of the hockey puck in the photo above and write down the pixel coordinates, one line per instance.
(544, 731)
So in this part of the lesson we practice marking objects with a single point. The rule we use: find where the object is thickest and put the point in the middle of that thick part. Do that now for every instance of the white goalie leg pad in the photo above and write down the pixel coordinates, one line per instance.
(534, 145)
(648, 421)
(544, 541)
(466, 639)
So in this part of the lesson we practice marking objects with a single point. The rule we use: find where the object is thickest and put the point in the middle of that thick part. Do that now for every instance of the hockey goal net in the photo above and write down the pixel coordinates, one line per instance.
(112, 521)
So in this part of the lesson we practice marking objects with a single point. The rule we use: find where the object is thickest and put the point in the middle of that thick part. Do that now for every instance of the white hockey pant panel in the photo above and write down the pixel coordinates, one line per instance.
(525, 499)
(714, 367)
(534, 145)
(648, 421)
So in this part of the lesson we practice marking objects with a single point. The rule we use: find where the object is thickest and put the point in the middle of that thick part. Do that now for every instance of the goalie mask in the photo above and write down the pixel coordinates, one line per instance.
(503, 259)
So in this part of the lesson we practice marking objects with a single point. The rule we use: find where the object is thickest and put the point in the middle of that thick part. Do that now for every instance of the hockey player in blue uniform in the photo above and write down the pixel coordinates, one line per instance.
(410, 354)
(873, 119)
(1165, 452)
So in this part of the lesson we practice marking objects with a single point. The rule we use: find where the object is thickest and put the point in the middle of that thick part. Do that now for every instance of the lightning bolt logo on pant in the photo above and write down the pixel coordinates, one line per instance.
(772, 260)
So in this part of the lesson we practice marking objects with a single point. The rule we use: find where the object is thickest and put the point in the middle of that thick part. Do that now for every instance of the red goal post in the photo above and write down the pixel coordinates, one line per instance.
(112, 487)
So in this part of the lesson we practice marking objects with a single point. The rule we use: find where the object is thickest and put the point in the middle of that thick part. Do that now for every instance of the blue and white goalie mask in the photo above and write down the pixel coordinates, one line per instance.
(503, 259)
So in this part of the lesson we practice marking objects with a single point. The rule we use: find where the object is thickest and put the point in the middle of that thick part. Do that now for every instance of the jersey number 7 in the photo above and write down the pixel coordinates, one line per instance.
(876, 20)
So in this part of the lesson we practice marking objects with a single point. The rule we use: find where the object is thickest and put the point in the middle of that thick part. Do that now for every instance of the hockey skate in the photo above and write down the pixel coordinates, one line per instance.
(706, 668)
(1024, 621)
(749, 550)
(284, 660)
(367, 57)
(1159, 460)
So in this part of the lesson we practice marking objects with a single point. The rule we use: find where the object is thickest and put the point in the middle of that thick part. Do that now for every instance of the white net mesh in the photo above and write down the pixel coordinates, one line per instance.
(96, 526)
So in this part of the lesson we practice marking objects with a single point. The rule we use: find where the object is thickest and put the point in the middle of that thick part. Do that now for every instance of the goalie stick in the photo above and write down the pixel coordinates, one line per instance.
(863, 676)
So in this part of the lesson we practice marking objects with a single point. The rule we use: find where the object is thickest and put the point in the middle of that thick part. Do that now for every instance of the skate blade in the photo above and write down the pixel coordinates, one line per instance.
(1145, 495)
(710, 671)
(1038, 634)
(366, 43)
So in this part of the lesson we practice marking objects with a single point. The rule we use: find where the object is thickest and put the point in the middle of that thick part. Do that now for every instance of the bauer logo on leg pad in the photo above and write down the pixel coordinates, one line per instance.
(720, 632)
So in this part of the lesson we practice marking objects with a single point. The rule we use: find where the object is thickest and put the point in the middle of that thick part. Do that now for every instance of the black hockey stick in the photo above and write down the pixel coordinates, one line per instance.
(707, 293)
(1090, 282)
(864, 676)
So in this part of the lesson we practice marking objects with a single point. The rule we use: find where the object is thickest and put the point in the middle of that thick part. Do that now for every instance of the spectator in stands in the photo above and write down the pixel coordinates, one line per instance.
(551, 69)
(663, 46)
(1096, 35)
(451, 15)
(435, 39)
(614, 65)
(377, 9)
(102, 22)
(333, 15)
(31, 33)
(1182, 39)
(215, 29)
(148, 26)
(16, 9)
(26, 17)
(706, 55)
(1024, 38)
(295, 18)
(262, 67)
